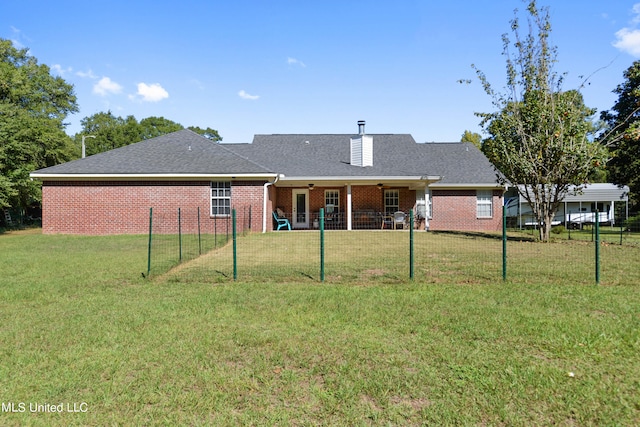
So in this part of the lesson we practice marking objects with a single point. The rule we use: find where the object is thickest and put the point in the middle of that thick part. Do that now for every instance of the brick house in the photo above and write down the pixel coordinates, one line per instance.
(360, 180)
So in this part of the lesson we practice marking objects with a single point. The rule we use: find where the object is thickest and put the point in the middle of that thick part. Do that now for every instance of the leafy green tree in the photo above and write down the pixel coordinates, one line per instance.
(33, 107)
(156, 126)
(472, 137)
(109, 132)
(623, 122)
(208, 133)
(541, 136)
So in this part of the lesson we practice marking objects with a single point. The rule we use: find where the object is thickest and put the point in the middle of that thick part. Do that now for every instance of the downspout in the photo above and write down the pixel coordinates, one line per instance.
(349, 208)
(265, 197)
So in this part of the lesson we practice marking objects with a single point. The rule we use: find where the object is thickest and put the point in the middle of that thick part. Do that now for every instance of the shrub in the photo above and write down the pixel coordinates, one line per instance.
(633, 223)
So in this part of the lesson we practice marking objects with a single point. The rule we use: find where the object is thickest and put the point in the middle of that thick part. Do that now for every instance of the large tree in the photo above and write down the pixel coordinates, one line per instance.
(472, 137)
(109, 131)
(540, 137)
(33, 107)
(623, 121)
(208, 133)
(156, 126)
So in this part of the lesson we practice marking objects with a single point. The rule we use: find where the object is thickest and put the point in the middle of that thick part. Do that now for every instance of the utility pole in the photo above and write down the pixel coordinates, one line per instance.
(83, 148)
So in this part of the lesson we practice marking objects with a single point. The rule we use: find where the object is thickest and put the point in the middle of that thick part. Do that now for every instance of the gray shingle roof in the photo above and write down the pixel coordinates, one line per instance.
(325, 155)
(181, 152)
(294, 155)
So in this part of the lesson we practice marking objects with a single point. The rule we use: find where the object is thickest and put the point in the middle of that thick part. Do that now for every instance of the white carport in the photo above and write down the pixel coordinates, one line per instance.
(603, 197)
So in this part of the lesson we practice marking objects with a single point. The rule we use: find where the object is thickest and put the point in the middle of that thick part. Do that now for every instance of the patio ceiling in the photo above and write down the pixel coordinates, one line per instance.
(412, 182)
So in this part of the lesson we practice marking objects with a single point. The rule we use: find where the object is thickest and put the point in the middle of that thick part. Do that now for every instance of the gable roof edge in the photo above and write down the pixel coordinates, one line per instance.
(150, 177)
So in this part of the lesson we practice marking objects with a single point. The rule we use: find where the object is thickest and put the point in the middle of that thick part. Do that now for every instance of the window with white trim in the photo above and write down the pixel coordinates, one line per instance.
(391, 201)
(484, 203)
(332, 201)
(220, 198)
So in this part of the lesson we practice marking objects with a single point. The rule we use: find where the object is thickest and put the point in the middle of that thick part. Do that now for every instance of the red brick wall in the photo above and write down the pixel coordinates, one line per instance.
(452, 209)
(362, 197)
(372, 197)
(368, 197)
(99, 208)
(247, 199)
(456, 210)
(283, 199)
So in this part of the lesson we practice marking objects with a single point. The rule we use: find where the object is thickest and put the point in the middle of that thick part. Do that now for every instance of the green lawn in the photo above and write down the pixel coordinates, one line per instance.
(608, 234)
(80, 326)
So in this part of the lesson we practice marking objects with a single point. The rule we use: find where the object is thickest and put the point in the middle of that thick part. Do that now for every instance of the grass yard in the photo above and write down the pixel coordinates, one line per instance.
(82, 329)
(608, 234)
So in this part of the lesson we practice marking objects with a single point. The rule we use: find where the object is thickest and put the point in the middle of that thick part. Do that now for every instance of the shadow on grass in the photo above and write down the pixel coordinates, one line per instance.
(484, 235)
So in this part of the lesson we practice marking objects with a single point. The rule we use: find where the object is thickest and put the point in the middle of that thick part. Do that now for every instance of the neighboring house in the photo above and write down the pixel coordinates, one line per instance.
(360, 180)
(577, 209)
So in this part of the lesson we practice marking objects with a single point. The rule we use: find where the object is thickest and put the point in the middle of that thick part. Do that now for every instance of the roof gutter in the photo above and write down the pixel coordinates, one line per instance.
(146, 177)
(356, 178)
(464, 186)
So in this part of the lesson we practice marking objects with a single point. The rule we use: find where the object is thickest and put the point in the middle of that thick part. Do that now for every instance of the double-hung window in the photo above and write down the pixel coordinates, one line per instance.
(484, 203)
(332, 201)
(391, 201)
(220, 198)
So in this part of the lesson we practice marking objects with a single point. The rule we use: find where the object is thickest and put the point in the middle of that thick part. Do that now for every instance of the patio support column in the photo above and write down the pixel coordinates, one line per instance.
(349, 207)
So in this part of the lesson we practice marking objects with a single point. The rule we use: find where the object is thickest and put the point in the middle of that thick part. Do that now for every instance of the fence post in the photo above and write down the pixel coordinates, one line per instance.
(235, 257)
(504, 243)
(597, 227)
(621, 224)
(322, 244)
(411, 255)
(199, 234)
(150, 234)
(179, 235)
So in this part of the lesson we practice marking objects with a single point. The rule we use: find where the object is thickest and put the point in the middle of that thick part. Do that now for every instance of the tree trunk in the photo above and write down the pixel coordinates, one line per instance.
(545, 229)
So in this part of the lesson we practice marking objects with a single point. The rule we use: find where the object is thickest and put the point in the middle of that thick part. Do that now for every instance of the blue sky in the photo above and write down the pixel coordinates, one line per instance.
(262, 67)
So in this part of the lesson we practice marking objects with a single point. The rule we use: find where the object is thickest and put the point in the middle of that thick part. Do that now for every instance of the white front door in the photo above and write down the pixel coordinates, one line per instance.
(300, 208)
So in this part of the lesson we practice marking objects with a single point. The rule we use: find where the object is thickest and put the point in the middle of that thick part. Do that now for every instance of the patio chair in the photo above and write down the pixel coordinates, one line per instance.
(399, 218)
(282, 222)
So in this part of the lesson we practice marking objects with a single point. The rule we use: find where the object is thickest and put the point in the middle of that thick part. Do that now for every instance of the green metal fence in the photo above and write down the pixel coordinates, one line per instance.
(392, 256)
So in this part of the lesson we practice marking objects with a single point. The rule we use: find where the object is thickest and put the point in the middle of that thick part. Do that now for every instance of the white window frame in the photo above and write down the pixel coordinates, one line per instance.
(484, 201)
(333, 199)
(391, 208)
(220, 199)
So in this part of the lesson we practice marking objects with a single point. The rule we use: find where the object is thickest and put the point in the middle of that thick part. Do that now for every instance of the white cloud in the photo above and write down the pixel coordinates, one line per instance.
(244, 95)
(61, 71)
(197, 83)
(294, 61)
(152, 93)
(106, 86)
(628, 39)
(86, 74)
(17, 35)
(636, 10)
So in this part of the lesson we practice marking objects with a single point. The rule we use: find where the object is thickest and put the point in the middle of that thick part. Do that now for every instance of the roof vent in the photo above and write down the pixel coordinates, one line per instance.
(361, 127)
(362, 148)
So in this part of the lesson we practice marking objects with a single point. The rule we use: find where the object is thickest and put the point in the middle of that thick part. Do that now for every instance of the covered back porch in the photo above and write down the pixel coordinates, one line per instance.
(371, 204)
